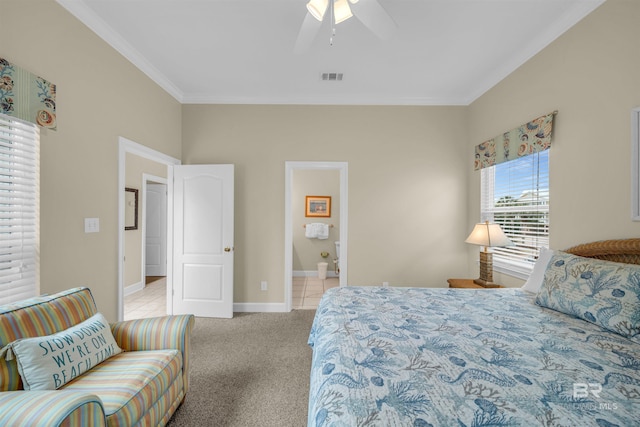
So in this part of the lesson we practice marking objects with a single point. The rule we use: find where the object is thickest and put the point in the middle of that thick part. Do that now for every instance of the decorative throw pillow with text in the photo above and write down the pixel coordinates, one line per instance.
(49, 362)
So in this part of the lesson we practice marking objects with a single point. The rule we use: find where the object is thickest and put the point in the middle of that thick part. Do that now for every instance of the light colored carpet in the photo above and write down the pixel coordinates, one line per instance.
(252, 370)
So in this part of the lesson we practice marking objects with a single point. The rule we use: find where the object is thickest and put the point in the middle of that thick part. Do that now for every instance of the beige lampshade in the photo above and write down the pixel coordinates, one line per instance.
(341, 11)
(488, 234)
(317, 8)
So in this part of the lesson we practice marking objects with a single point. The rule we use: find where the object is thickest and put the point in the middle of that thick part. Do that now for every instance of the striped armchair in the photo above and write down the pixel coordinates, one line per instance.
(142, 385)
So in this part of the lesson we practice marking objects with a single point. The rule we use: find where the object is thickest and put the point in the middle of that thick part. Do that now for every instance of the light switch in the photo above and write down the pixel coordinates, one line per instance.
(91, 225)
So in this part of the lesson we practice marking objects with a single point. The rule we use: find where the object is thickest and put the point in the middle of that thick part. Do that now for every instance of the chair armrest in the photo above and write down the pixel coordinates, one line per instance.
(50, 408)
(157, 333)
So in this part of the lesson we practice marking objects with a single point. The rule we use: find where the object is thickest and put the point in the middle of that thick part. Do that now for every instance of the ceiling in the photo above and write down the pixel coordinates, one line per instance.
(443, 52)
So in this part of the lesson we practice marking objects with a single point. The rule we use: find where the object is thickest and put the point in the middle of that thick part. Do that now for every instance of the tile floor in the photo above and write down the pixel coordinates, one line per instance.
(307, 291)
(152, 300)
(149, 302)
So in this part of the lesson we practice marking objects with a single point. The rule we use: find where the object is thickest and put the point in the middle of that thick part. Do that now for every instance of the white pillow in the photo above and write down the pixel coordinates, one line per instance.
(50, 361)
(534, 282)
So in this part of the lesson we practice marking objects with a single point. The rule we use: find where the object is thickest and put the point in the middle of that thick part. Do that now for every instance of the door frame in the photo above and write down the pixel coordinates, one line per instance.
(146, 178)
(127, 146)
(290, 167)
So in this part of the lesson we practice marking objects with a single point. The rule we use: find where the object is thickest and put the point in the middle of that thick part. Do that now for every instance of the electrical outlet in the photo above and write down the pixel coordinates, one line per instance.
(385, 284)
(263, 285)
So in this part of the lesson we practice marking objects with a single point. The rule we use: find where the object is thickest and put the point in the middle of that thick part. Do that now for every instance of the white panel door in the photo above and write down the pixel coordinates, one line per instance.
(203, 240)
(156, 230)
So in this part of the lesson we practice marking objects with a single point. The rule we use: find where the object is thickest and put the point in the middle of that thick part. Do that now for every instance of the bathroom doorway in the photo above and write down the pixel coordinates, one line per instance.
(315, 250)
(305, 281)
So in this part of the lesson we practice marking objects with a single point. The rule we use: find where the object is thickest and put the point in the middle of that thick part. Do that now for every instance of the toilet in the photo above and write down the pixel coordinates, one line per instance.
(338, 256)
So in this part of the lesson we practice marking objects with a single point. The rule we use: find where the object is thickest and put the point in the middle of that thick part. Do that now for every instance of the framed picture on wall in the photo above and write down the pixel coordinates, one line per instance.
(130, 209)
(318, 206)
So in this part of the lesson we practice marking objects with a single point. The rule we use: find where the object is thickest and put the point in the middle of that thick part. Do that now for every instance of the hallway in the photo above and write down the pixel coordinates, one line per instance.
(149, 302)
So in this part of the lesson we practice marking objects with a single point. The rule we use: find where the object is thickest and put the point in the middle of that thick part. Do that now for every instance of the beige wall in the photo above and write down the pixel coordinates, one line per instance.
(591, 76)
(306, 252)
(407, 186)
(412, 195)
(100, 97)
(136, 166)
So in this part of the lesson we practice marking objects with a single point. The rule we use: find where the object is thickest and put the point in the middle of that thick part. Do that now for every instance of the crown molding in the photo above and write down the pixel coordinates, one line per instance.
(535, 46)
(88, 17)
(324, 100)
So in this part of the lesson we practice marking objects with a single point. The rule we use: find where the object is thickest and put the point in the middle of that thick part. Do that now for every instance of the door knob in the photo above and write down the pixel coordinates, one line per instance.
(227, 249)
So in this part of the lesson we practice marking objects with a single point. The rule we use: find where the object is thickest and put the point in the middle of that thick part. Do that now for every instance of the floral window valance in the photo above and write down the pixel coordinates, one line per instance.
(26, 96)
(522, 141)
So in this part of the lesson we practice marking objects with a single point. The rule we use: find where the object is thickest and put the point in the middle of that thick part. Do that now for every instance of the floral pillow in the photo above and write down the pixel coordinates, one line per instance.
(602, 292)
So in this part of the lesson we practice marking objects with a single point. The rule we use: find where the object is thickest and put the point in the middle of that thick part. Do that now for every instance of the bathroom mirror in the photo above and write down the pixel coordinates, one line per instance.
(130, 209)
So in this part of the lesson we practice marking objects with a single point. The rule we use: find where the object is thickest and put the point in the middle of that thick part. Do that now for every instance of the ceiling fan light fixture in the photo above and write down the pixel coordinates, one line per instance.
(341, 11)
(317, 8)
(353, 1)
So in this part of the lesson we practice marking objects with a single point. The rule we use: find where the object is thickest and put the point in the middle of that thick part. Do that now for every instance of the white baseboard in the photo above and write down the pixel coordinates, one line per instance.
(313, 273)
(238, 307)
(259, 307)
(132, 289)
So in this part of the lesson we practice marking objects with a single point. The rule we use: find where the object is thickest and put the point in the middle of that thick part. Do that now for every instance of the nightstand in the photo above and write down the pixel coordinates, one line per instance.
(468, 284)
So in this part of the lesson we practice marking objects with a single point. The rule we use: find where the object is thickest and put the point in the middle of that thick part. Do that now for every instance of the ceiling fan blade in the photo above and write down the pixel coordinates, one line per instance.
(375, 18)
(308, 32)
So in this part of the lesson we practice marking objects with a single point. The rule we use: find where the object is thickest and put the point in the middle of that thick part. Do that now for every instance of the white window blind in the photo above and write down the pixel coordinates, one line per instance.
(19, 209)
(515, 194)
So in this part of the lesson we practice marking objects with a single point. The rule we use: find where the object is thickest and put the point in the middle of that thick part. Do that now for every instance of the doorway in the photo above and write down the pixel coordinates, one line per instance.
(341, 216)
(154, 226)
(151, 300)
(165, 163)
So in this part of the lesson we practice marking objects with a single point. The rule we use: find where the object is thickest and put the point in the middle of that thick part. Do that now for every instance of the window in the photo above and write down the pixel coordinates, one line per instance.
(515, 194)
(19, 209)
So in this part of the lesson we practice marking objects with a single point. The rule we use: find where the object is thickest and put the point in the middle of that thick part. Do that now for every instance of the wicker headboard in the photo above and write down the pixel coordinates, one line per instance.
(619, 250)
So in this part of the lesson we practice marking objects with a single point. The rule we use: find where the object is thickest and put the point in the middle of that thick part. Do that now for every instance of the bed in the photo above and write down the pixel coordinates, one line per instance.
(567, 354)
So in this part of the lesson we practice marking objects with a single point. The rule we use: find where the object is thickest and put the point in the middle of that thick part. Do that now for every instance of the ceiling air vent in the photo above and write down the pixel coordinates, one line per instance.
(331, 77)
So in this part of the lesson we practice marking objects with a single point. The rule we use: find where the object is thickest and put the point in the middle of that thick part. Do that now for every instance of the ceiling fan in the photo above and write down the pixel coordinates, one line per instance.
(369, 12)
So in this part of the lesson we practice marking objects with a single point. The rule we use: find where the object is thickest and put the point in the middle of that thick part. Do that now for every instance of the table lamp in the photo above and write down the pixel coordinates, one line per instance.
(487, 235)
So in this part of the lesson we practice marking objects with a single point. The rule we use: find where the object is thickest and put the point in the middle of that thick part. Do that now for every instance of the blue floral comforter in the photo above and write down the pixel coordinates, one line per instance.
(460, 357)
